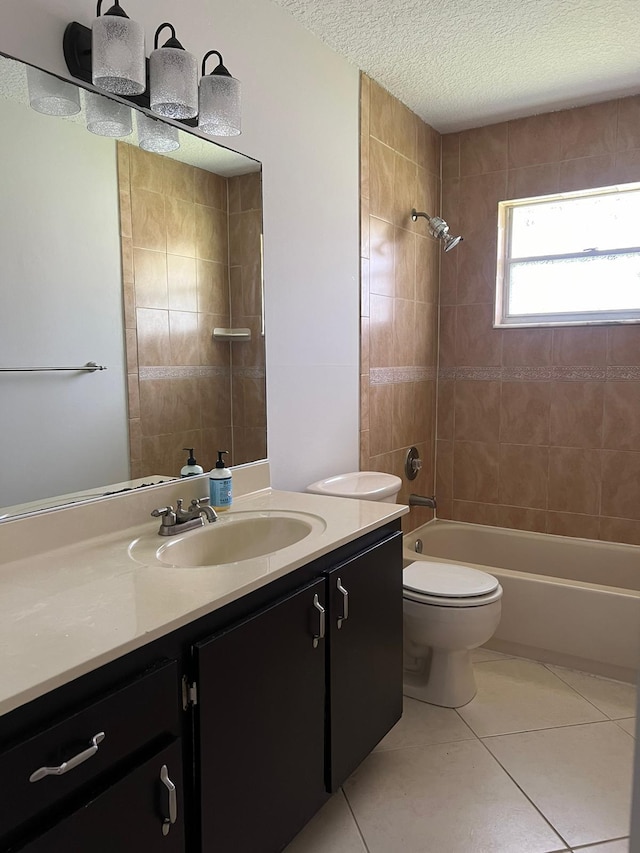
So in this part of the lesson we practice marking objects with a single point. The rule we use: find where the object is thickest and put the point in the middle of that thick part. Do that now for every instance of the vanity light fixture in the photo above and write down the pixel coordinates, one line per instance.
(117, 51)
(220, 112)
(50, 95)
(439, 229)
(106, 117)
(173, 78)
(154, 135)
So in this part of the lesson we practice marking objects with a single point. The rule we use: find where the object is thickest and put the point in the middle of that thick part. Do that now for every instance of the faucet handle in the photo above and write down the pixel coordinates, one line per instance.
(167, 514)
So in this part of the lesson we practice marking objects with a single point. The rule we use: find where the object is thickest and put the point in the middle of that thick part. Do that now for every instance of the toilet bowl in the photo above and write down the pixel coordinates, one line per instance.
(449, 610)
(363, 485)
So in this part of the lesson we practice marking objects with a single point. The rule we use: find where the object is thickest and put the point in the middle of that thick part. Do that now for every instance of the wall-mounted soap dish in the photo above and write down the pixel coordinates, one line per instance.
(231, 334)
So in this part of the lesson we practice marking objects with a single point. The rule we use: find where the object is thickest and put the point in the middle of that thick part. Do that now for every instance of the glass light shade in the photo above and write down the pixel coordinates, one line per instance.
(118, 55)
(173, 83)
(153, 135)
(220, 113)
(51, 96)
(106, 117)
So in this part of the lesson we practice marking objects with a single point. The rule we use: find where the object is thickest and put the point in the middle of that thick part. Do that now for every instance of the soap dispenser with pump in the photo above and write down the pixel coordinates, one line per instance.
(191, 469)
(220, 486)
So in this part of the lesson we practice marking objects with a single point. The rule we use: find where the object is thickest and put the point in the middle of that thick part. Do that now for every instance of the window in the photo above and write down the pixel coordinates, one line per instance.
(570, 258)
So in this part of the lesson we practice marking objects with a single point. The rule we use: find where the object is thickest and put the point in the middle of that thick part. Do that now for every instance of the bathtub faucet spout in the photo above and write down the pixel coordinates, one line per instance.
(419, 500)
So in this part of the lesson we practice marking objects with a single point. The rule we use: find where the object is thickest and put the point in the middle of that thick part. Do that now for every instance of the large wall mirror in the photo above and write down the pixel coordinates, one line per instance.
(127, 259)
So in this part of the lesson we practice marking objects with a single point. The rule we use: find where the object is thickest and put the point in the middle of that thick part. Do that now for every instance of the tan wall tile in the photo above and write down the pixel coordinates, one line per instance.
(404, 318)
(135, 440)
(182, 283)
(627, 168)
(364, 227)
(446, 401)
(444, 472)
(427, 267)
(475, 471)
(382, 258)
(574, 480)
(523, 475)
(150, 271)
(576, 414)
(483, 149)
(406, 130)
(153, 337)
(524, 412)
(364, 402)
(213, 353)
(477, 342)
(628, 135)
(133, 395)
(522, 518)
(533, 180)
(447, 336)
(211, 190)
(622, 416)
(382, 161)
(527, 347)
(571, 524)
(145, 170)
(364, 345)
(620, 478)
(178, 179)
(213, 287)
(534, 140)
(183, 334)
(425, 335)
(157, 406)
(364, 287)
(181, 227)
(250, 192)
(477, 258)
(382, 115)
(405, 264)
(451, 155)
(582, 345)
(148, 224)
(215, 402)
(211, 234)
(620, 530)
(623, 345)
(477, 411)
(476, 513)
(381, 340)
(428, 153)
(131, 347)
(588, 131)
(587, 173)
(380, 419)
(406, 194)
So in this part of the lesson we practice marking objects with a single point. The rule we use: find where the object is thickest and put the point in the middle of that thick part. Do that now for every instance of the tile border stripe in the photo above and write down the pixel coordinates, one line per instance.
(580, 373)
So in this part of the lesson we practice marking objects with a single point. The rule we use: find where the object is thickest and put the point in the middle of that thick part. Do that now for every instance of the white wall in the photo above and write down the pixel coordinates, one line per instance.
(300, 117)
(61, 305)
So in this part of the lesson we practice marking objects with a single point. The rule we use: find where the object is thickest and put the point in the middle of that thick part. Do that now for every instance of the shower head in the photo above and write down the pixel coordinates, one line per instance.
(439, 229)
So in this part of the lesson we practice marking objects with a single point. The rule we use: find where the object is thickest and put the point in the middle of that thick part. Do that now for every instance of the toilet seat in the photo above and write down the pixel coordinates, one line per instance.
(449, 585)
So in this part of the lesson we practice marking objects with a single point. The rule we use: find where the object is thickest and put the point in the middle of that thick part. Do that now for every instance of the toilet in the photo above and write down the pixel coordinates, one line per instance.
(449, 610)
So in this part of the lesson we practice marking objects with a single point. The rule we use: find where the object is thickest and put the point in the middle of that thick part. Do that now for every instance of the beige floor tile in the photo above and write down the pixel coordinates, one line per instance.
(422, 724)
(518, 695)
(628, 725)
(614, 698)
(332, 830)
(449, 798)
(484, 655)
(619, 846)
(579, 777)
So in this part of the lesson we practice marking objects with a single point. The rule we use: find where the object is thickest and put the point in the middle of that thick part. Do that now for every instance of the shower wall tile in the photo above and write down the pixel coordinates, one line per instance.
(483, 149)
(399, 170)
(566, 458)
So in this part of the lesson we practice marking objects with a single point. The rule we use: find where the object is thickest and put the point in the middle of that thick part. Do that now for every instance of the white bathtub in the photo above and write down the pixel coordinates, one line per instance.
(573, 602)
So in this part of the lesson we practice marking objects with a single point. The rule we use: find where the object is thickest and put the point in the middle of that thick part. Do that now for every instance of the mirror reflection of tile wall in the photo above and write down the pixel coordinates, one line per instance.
(190, 254)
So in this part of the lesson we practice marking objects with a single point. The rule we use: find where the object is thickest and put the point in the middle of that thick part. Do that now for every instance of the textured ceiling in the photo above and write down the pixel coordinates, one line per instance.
(467, 63)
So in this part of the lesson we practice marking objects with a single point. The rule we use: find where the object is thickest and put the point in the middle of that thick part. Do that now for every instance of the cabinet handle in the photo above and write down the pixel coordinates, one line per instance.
(345, 603)
(66, 766)
(321, 622)
(173, 800)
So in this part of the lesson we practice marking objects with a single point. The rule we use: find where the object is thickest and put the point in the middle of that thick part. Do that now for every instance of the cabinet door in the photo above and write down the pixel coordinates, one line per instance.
(129, 817)
(365, 655)
(260, 727)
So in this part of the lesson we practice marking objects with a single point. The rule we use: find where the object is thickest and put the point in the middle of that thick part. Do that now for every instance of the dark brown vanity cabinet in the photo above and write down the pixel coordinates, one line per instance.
(293, 698)
(260, 725)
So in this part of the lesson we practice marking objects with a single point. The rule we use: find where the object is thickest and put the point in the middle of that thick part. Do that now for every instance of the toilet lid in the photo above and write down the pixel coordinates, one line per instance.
(447, 580)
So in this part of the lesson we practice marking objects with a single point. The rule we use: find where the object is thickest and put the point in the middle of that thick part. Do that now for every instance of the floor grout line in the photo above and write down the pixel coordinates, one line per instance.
(524, 793)
(547, 729)
(355, 820)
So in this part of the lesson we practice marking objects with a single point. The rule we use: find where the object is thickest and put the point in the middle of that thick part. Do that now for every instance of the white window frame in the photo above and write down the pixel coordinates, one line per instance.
(584, 318)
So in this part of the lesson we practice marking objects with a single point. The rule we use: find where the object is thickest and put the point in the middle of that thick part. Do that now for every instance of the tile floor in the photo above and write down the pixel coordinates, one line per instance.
(539, 761)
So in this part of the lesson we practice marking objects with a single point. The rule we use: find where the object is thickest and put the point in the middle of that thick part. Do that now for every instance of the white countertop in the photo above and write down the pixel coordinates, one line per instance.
(67, 611)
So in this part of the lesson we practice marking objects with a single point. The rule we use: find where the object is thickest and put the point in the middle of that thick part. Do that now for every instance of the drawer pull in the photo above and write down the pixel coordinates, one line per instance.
(66, 766)
(173, 800)
(321, 622)
(345, 603)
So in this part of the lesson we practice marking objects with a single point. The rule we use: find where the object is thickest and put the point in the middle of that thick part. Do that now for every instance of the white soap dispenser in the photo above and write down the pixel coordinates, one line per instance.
(220, 487)
(191, 468)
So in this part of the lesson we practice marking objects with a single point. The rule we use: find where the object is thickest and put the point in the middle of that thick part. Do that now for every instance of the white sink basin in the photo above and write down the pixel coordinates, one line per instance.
(234, 538)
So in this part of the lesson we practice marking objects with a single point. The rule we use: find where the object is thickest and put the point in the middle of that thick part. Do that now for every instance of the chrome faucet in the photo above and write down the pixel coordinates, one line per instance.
(180, 520)
(419, 500)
